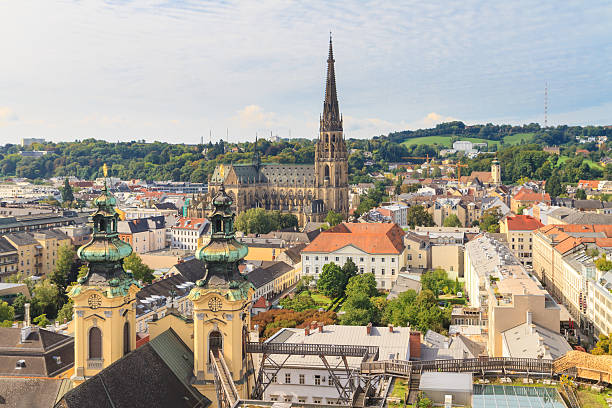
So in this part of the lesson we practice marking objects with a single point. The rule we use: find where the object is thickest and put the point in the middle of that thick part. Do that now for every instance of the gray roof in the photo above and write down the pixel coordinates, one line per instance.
(157, 374)
(534, 341)
(6, 246)
(266, 274)
(447, 382)
(141, 225)
(579, 217)
(32, 392)
(192, 270)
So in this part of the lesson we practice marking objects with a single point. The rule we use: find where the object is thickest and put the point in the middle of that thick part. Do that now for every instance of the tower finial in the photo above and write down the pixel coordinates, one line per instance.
(331, 112)
(105, 170)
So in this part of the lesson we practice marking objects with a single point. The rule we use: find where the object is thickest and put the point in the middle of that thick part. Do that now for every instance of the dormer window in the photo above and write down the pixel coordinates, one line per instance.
(20, 364)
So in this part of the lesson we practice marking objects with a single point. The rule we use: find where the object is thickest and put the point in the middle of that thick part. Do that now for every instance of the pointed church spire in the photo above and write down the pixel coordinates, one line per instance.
(331, 112)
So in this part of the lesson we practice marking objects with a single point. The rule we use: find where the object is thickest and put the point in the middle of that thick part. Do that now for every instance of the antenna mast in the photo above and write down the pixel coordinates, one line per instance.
(546, 105)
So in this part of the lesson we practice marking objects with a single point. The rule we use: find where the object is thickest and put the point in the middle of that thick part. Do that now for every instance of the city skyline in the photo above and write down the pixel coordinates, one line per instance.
(178, 71)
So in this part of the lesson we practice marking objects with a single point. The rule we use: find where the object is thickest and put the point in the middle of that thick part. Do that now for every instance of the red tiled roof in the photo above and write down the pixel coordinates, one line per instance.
(261, 303)
(484, 176)
(372, 238)
(525, 194)
(592, 184)
(523, 223)
(385, 212)
(189, 223)
(565, 242)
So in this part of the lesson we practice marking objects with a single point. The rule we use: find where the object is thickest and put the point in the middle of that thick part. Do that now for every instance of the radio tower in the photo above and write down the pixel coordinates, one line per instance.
(546, 105)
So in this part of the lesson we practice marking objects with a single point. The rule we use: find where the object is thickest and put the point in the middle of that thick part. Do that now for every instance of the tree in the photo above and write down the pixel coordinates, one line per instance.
(489, 221)
(364, 283)
(333, 218)
(141, 271)
(603, 345)
(603, 264)
(7, 313)
(435, 281)
(67, 194)
(332, 281)
(580, 194)
(553, 185)
(41, 320)
(418, 216)
(349, 269)
(359, 310)
(452, 221)
(46, 298)
(299, 303)
(83, 271)
(66, 256)
(66, 312)
(420, 311)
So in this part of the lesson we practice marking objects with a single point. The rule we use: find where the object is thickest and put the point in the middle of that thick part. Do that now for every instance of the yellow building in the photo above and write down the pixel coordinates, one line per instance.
(104, 300)
(37, 251)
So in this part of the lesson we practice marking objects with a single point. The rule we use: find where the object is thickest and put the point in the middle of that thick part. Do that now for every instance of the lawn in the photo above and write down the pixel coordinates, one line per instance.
(445, 140)
(592, 164)
(592, 399)
(321, 299)
(400, 388)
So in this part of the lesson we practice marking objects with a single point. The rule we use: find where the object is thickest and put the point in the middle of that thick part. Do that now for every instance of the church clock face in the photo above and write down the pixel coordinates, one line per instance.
(94, 301)
(215, 304)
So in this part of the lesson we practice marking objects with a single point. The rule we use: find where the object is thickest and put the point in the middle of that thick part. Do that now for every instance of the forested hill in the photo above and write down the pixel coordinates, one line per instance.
(180, 162)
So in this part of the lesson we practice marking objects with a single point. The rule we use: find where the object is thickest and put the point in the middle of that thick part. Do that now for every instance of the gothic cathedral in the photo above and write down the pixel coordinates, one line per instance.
(307, 191)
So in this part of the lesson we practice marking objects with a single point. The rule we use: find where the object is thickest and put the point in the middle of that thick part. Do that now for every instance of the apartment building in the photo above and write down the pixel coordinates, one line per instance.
(396, 213)
(27, 190)
(37, 251)
(272, 278)
(188, 232)
(374, 247)
(563, 261)
(145, 234)
(526, 197)
(518, 230)
(466, 211)
(79, 234)
(515, 302)
(9, 260)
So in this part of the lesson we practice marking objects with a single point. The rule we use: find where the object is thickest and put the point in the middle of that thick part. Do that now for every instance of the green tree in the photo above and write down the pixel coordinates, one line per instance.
(435, 281)
(41, 320)
(83, 271)
(452, 221)
(66, 312)
(288, 221)
(365, 205)
(349, 269)
(67, 194)
(553, 185)
(359, 310)
(604, 345)
(489, 221)
(418, 216)
(332, 280)
(141, 271)
(7, 313)
(363, 283)
(299, 303)
(580, 194)
(333, 218)
(66, 256)
(46, 298)
(603, 264)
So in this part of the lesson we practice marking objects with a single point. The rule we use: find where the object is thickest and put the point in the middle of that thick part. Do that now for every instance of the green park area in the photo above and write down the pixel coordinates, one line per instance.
(446, 140)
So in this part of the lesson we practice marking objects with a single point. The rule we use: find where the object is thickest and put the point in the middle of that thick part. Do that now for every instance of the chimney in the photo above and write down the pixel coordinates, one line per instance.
(369, 329)
(28, 323)
(307, 331)
(529, 318)
(390, 328)
(320, 327)
(313, 325)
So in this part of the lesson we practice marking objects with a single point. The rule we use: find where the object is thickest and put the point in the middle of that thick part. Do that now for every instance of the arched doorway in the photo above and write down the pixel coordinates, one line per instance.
(215, 342)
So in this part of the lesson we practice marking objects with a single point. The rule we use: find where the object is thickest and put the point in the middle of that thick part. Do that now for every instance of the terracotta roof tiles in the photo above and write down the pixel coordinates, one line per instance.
(523, 223)
(372, 238)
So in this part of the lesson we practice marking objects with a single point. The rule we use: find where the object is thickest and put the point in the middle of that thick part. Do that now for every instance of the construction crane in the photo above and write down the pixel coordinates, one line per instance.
(458, 166)
(427, 159)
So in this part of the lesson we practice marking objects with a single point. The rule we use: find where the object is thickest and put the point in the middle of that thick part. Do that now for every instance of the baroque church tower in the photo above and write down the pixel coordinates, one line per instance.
(104, 299)
(331, 157)
(221, 306)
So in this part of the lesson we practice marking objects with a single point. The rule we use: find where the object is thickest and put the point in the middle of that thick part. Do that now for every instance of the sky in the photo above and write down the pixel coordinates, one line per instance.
(181, 70)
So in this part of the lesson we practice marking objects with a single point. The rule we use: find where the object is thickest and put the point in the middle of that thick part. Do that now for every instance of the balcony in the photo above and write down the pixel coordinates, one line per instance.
(95, 364)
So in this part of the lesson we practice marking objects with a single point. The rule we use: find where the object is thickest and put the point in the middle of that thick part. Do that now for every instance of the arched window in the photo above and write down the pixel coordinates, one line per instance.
(126, 338)
(218, 225)
(326, 171)
(95, 343)
(215, 341)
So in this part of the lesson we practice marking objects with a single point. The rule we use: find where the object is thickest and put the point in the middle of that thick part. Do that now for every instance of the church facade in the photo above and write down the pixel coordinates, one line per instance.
(305, 190)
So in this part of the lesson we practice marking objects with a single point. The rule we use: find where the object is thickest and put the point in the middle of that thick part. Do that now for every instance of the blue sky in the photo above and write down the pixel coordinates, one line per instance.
(176, 70)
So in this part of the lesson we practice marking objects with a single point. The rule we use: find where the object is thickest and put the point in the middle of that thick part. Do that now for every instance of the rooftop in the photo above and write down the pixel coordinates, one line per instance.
(534, 341)
(372, 238)
(523, 223)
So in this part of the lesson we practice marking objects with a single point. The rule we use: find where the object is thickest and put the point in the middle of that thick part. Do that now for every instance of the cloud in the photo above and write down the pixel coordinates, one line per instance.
(7, 115)
(254, 116)
(434, 118)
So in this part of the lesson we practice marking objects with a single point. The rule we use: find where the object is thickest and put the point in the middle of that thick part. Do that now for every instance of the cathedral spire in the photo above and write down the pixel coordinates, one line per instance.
(331, 112)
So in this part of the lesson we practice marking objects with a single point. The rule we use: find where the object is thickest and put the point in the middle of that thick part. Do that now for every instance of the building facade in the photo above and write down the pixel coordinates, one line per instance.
(187, 232)
(37, 251)
(518, 230)
(305, 190)
(376, 248)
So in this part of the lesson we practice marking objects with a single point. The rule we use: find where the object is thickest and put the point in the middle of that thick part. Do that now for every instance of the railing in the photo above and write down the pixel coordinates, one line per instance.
(474, 365)
(312, 349)
(572, 399)
(226, 390)
(95, 364)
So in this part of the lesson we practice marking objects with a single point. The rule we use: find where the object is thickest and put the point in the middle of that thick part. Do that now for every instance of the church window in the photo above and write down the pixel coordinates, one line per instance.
(126, 338)
(95, 343)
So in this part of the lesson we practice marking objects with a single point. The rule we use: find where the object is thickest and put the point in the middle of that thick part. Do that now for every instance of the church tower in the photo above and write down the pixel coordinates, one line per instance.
(331, 157)
(495, 172)
(104, 299)
(221, 304)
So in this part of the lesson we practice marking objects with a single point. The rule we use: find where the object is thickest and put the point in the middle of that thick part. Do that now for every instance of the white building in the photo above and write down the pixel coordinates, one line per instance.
(295, 381)
(397, 213)
(377, 248)
(187, 232)
(27, 190)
